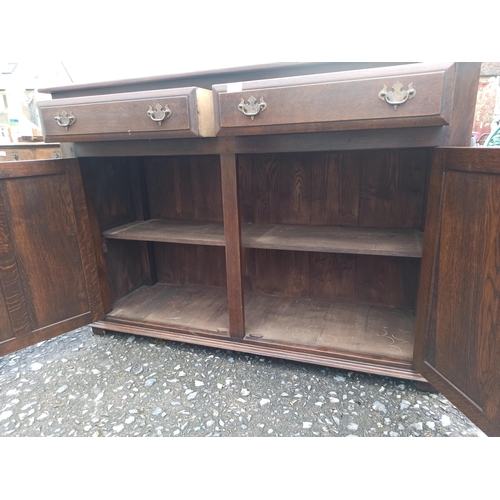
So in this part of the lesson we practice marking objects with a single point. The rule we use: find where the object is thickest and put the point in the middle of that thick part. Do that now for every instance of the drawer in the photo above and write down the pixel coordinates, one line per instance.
(172, 113)
(47, 153)
(16, 153)
(410, 95)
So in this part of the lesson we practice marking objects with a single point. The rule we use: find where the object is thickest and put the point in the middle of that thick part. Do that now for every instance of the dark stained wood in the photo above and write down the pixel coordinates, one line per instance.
(181, 188)
(190, 265)
(387, 281)
(170, 231)
(335, 188)
(274, 272)
(458, 345)
(207, 78)
(393, 188)
(338, 101)
(467, 160)
(266, 144)
(232, 231)
(274, 189)
(125, 269)
(124, 116)
(361, 279)
(333, 276)
(366, 188)
(464, 101)
(6, 331)
(47, 263)
(17, 152)
(85, 242)
(381, 189)
(55, 283)
(141, 203)
(351, 240)
(16, 296)
(199, 308)
(285, 320)
(295, 352)
(404, 242)
(28, 151)
(183, 314)
(108, 185)
(321, 323)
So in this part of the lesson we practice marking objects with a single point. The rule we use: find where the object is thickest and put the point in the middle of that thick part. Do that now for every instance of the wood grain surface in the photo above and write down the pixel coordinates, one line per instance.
(47, 264)
(458, 348)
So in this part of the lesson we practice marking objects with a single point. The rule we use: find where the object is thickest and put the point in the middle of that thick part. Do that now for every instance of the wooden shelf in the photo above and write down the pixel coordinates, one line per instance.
(307, 324)
(324, 324)
(333, 239)
(188, 307)
(328, 239)
(170, 231)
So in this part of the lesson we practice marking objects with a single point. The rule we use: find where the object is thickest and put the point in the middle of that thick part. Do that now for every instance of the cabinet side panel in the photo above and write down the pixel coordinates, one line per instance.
(108, 184)
(125, 269)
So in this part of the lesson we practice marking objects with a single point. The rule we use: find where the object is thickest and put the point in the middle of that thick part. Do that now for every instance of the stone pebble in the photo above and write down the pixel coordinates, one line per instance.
(80, 384)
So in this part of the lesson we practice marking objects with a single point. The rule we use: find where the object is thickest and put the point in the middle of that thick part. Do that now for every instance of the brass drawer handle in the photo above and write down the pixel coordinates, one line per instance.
(253, 107)
(397, 95)
(65, 119)
(158, 114)
(15, 155)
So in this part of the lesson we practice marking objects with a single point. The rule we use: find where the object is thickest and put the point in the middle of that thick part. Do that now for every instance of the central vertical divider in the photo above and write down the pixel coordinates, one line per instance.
(232, 235)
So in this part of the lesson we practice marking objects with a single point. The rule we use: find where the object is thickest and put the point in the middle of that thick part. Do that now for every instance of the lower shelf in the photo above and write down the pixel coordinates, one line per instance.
(294, 328)
(338, 326)
(188, 307)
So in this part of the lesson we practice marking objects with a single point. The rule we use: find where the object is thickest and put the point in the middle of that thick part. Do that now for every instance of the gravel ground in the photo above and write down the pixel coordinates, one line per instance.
(81, 384)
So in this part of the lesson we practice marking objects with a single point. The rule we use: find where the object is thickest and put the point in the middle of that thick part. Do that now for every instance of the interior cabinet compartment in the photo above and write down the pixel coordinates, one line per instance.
(342, 239)
(152, 277)
(357, 304)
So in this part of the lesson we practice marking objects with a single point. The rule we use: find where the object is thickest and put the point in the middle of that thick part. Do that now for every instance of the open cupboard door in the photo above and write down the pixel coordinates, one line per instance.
(458, 325)
(48, 274)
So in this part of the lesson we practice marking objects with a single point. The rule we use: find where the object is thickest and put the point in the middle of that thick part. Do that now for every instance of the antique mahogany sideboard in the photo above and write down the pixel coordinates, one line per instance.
(328, 213)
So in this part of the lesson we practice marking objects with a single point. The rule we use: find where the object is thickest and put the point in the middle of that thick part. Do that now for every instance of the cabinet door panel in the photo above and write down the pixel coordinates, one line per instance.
(47, 266)
(458, 337)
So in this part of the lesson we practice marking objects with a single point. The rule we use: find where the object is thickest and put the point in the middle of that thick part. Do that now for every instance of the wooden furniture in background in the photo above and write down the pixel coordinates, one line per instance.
(321, 224)
(29, 151)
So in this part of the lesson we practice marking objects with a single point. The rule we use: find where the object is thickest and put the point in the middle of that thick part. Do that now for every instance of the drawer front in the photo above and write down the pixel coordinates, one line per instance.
(398, 96)
(154, 114)
(15, 154)
(47, 153)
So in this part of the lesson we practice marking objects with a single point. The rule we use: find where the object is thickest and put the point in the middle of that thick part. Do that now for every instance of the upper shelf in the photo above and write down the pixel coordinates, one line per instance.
(328, 239)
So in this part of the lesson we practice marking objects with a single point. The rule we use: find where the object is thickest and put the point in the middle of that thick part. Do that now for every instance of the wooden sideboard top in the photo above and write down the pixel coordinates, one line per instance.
(206, 79)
